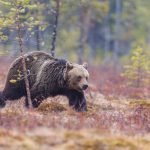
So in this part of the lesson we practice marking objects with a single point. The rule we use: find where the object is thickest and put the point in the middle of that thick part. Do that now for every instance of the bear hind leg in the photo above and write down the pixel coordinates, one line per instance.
(35, 102)
(2, 100)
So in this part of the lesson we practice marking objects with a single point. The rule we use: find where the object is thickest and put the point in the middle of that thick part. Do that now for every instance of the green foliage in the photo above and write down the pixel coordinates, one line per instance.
(95, 17)
(19, 10)
(70, 23)
(37, 15)
(136, 15)
(138, 71)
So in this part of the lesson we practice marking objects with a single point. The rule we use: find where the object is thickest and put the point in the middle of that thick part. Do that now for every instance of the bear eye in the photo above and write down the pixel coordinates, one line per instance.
(79, 78)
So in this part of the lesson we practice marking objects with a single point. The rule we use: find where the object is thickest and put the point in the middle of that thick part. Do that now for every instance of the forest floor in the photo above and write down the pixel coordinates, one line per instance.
(113, 122)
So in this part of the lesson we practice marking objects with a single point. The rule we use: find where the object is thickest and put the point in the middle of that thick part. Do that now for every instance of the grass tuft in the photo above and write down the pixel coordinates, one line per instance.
(51, 107)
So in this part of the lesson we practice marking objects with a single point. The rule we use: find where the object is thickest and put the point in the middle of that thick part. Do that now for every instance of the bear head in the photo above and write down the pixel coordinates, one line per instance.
(77, 76)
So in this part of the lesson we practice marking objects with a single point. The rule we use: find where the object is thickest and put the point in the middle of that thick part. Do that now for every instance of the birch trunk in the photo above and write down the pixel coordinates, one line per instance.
(28, 101)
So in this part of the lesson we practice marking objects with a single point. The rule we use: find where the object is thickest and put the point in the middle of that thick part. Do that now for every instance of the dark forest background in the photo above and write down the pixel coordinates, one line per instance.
(95, 31)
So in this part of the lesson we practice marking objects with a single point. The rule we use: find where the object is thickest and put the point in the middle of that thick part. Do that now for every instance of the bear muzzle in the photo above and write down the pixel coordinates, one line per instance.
(84, 87)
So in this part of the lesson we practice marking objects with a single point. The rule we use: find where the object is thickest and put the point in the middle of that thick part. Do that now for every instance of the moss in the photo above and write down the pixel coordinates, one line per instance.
(73, 135)
(51, 107)
(77, 140)
(120, 142)
(102, 143)
(143, 103)
(91, 145)
(71, 140)
(28, 143)
(71, 112)
(12, 112)
(144, 142)
(39, 139)
(92, 109)
(11, 140)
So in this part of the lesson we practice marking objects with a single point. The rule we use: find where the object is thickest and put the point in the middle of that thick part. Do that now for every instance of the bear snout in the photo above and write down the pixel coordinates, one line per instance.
(84, 87)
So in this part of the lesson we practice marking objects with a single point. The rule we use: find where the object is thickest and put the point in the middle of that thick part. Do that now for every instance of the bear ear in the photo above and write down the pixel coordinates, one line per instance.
(85, 65)
(69, 66)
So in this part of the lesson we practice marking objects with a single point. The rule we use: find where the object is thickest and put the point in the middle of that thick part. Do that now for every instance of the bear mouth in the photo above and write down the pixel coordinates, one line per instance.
(80, 90)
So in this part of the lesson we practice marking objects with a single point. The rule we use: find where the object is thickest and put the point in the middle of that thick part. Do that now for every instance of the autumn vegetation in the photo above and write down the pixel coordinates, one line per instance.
(118, 114)
(113, 37)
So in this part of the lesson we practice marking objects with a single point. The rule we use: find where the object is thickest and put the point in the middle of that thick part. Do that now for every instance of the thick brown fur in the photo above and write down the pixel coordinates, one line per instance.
(47, 77)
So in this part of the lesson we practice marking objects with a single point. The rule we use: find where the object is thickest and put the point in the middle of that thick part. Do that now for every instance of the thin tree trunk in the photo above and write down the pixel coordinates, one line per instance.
(38, 38)
(84, 20)
(117, 31)
(28, 99)
(54, 34)
(82, 38)
(107, 40)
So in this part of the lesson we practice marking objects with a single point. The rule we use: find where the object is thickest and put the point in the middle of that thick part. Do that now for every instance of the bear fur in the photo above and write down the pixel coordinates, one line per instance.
(47, 76)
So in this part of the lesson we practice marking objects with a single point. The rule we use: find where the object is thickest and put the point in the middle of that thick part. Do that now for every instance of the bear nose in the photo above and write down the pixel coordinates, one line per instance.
(85, 87)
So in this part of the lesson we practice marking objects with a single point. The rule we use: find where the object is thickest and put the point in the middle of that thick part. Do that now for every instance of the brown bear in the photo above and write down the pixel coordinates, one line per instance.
(47, 76)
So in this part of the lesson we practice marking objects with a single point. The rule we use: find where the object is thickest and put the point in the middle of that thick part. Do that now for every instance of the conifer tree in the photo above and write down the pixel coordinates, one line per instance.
(138, 71)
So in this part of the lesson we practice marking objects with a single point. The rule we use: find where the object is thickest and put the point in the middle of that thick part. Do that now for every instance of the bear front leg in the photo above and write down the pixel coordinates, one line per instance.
(77, 101)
